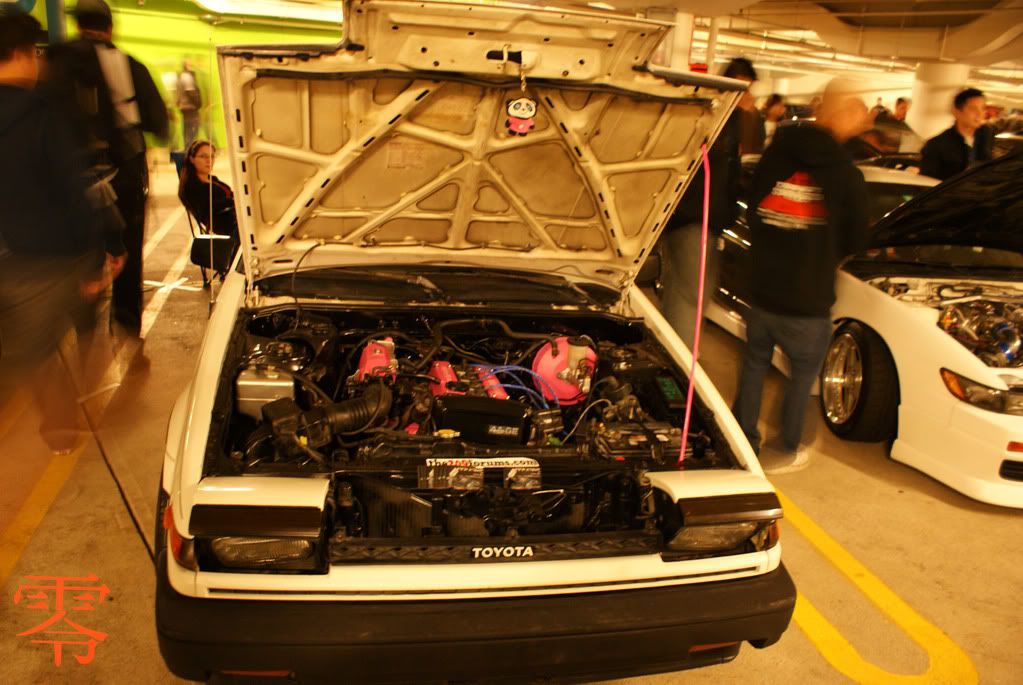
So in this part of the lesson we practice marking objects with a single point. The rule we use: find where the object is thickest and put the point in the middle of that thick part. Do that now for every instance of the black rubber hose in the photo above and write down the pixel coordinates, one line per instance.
(438, 335)
(361, 413)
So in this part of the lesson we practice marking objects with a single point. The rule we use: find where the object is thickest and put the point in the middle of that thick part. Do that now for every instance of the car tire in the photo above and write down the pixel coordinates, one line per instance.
(859, 386)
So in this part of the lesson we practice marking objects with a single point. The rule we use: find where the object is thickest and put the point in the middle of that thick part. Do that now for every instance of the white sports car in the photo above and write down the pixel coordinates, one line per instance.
(927, 345)
(435, 430)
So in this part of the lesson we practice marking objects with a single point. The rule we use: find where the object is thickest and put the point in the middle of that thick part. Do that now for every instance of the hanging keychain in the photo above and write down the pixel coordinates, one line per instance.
(521, 110)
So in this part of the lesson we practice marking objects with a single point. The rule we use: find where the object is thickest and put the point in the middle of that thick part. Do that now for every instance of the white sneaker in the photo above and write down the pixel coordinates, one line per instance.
(778, 461)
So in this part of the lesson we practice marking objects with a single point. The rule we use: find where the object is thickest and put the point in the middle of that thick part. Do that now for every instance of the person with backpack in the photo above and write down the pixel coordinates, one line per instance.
(114, 102)
(189, 101)
(51, 240)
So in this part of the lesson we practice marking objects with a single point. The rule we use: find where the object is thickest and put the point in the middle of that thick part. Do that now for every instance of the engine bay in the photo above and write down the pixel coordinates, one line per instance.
(986, 319)
(459, 426)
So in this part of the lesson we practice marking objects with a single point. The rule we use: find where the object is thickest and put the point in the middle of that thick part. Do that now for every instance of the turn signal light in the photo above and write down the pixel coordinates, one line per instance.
(1015, 446)
(181, 548)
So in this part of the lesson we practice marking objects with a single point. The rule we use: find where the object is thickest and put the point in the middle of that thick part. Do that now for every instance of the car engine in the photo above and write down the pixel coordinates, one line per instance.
(986, 319)
(460, 427)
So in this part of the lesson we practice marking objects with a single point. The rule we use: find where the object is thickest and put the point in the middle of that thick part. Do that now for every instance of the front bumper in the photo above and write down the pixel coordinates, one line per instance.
(568, 637)
(964, 448)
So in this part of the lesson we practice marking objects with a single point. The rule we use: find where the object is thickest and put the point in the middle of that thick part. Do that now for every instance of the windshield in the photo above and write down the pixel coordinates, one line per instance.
(461, 285)
(884, 197)
(959, 257)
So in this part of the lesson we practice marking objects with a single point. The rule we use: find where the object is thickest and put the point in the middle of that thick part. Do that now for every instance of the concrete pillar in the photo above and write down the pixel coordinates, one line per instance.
(934, 86)
(674, 51)
(712, 44)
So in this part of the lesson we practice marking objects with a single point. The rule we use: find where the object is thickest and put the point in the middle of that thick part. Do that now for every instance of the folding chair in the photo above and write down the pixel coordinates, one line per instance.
(204, 249)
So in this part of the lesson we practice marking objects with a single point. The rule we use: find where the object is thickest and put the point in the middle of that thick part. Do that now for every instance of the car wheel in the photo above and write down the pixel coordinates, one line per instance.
(859, 394)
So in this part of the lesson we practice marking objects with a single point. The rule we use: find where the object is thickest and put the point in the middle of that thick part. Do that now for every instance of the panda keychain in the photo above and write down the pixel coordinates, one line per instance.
(521, 110)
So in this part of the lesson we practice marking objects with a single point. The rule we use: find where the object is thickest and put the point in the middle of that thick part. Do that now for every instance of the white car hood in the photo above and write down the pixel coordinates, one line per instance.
(392, 147)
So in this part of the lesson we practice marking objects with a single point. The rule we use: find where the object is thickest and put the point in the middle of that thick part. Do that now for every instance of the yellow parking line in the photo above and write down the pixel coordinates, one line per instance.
(17, 535)
(948, 662)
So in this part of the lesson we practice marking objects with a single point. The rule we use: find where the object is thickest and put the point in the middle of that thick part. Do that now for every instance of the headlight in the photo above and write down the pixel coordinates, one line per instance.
(979, 395)
(723, 524)
(240, 552)
(713, 538)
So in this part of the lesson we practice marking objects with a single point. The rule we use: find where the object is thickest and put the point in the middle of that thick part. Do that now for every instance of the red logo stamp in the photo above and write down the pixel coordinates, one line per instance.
(61, 596)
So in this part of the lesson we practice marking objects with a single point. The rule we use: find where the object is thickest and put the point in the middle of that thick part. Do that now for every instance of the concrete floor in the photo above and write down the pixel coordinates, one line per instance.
(898, 575)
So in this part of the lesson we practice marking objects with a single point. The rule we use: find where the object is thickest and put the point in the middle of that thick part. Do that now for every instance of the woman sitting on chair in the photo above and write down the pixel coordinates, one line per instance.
(200, 191)
(211, 202)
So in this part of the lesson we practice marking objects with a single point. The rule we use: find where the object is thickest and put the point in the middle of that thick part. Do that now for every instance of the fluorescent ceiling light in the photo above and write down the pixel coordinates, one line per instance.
(278, 9)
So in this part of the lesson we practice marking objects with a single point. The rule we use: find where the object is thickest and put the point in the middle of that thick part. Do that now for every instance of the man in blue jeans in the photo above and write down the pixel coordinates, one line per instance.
(807, 212)
(680, 244)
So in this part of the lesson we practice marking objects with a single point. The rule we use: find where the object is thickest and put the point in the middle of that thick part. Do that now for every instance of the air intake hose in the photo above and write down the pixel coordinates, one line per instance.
(361, 413)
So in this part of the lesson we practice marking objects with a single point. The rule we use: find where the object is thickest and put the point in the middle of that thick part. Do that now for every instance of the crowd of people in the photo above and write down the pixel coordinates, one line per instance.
(807, 211)
(72, 122)
(73, 193)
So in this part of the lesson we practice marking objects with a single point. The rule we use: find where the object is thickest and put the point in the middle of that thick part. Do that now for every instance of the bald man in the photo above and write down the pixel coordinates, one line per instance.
(807, 212)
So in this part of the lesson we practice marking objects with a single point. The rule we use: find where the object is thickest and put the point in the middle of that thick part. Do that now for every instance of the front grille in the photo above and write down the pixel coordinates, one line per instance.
(1011, 470)
(490, 550)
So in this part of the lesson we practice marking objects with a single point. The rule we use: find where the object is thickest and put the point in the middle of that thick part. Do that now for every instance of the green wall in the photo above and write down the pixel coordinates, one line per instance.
(162, 33)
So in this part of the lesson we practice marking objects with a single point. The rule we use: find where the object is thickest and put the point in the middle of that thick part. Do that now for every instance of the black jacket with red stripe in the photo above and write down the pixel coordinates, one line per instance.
(807, 212)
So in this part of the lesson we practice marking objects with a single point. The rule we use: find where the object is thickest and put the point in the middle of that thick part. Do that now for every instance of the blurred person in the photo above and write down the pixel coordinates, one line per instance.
(115, 101)
(189, 102)
(751, 122)
(807, 213)
(892, 128)
(967, 142)
(814, 105)
(51, 242)
(879, 110)
(901, 109)
(774, 111)
(680, 244)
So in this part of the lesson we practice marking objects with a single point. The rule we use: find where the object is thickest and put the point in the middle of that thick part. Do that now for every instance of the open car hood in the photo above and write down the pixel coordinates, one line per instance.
(982, 207)
(394, 146)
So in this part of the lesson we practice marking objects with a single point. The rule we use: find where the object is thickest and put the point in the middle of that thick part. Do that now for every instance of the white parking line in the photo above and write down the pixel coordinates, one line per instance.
(162, 232)
(159, 299)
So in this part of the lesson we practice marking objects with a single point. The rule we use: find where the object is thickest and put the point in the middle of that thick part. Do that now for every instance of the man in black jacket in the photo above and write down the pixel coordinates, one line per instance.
(807, 212)
(115, 100)
(966, 143)
(51, 244)
(680, 244)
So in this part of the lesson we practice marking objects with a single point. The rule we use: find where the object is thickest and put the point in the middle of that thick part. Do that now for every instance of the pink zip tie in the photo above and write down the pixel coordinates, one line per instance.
(699, 302)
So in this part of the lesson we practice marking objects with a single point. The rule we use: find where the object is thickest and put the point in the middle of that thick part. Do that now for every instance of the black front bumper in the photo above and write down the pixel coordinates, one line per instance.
(565, 637)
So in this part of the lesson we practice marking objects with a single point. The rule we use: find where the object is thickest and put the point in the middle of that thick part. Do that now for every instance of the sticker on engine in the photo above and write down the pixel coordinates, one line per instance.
(491, 463)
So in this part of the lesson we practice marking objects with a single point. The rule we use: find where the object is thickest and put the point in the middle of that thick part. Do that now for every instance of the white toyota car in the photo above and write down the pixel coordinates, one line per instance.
(435, 430)
(927, 350)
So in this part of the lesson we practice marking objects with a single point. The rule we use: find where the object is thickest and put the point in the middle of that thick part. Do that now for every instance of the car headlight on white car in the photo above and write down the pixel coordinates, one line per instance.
(983, 396)
(716, 525)
(243, 552)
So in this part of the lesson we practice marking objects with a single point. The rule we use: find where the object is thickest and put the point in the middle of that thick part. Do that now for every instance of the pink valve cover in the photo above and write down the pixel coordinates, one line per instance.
(446, 377)
(377, 359)
(568, 373)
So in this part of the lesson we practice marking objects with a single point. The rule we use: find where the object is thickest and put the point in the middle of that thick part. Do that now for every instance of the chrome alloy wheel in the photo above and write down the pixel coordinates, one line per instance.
(842, 379)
